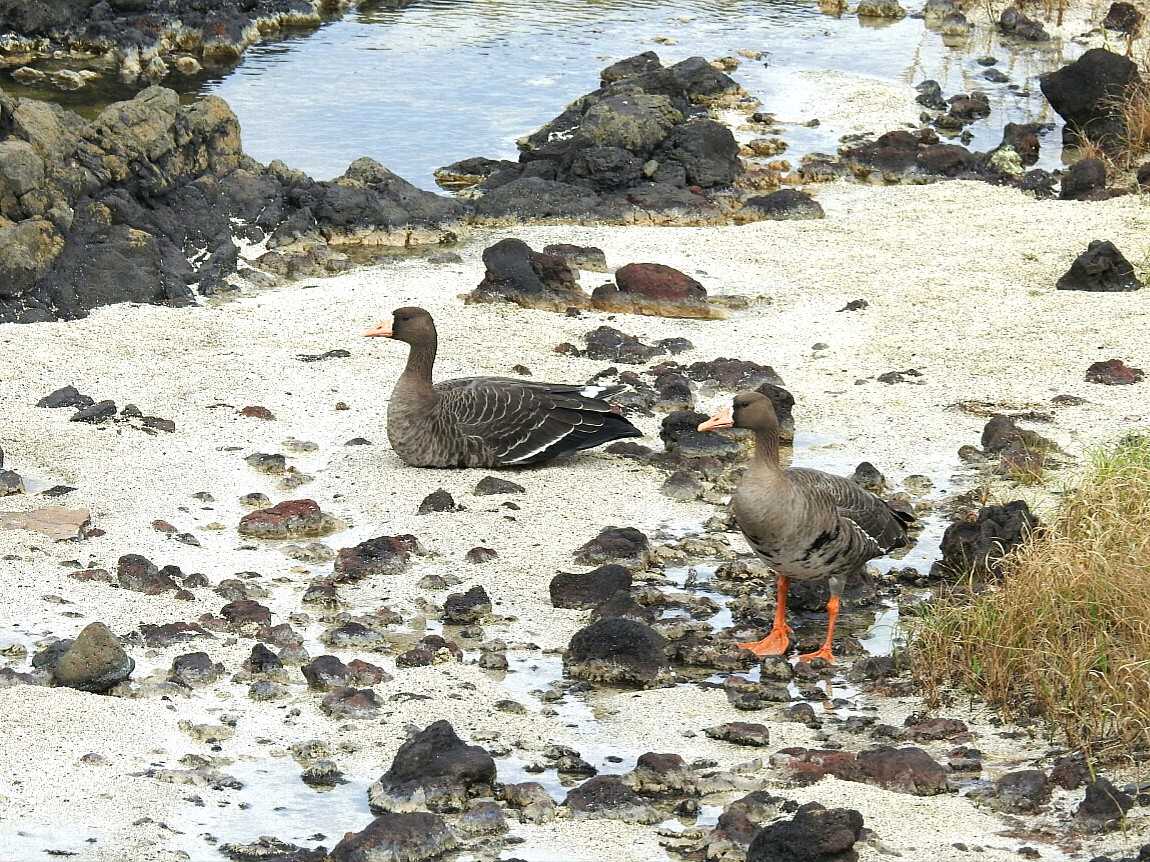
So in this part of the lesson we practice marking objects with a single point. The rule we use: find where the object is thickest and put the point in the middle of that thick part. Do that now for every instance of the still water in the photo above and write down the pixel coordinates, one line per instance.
(438, 80)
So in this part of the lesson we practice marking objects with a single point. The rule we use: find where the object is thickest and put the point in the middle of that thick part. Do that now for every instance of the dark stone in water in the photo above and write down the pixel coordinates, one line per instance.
(436, 770)
(617, 651)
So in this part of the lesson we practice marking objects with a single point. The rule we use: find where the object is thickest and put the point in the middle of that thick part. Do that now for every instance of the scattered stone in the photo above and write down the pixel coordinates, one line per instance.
(140, 575)
(1086, 94)
(291, 519)
(815, 834)
(588, 589)
(1123, 17)
(1113, 372)
(1085, 180)
(479, 555)
(408, 837)
(438, 501)
(741, 733)
(1102, 267)
(57, 524)
(880, 9)
(352, 703)
(66, 396)
(435, 770)
(608, 797)
(256, 411)
(977, 547)
(245, 612)
(261, 462)
(95, 413)
(382, 556)
(617, 651)
(784, 204)
(1022, 792)
(586, 258)
(616, 544)
(490, 485)
(1103, 807)
(195, 669)
(1013, 23)
(95, 661)
(466, 608)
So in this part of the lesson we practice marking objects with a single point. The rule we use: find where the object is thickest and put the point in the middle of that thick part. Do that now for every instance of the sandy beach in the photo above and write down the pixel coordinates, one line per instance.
(959, 278)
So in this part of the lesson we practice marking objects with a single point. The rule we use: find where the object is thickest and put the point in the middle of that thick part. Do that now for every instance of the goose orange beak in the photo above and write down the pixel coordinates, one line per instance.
(381, 331)
(722, 419)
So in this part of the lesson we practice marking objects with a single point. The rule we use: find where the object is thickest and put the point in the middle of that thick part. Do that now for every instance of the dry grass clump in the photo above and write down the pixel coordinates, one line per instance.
(1065, 635)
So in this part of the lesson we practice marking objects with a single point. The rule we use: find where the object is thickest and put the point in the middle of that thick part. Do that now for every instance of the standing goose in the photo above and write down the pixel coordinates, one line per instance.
(487, 421)
(803, 523)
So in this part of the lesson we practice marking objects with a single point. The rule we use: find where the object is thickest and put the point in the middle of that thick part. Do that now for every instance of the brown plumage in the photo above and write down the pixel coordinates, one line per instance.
(488, 421)
(805, 524)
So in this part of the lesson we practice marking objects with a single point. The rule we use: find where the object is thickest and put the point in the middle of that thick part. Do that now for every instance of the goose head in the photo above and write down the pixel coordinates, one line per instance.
(751, 410)
(411, 325)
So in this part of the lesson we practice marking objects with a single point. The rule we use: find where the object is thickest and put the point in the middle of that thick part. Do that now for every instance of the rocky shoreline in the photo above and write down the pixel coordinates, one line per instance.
(142, 42)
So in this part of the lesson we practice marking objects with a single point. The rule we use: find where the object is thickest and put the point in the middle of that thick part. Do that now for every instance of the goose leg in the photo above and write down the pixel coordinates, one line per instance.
(779, 639)
(824, 652)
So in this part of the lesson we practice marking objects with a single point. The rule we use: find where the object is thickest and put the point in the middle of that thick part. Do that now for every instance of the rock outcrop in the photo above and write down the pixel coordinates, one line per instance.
(150, 201)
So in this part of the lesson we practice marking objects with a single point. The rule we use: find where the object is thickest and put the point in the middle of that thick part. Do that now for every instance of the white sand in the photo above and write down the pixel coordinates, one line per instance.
(959, 277)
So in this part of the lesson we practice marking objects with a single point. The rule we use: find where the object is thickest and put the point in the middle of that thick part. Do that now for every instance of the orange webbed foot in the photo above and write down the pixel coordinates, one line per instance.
(776, 643)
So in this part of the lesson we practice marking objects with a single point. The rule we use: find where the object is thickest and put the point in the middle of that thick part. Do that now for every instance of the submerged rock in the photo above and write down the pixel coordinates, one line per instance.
(1102, 267)
(617, 651)
(436, 770)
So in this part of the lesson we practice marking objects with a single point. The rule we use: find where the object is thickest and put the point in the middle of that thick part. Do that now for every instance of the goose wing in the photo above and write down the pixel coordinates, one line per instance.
(882, 528)
(525, 422)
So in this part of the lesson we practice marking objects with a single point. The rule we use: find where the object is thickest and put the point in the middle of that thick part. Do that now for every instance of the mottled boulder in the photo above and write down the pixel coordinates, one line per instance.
(889, 9)
(516, 273)
(905, 770)
(815, 834)
(588, 589)
(195, 669)
(351, 703)
(409, 837)
(1113, 372)
(381, 556)
(1102, 267)
(706, 151)
(607, 797)
(583, 257)
(140, 575)
(740, 822)
(466, 608)
(1084, 180)
(1022, 792)
(654, 289)
(741, 733)
(976, 547)
(1103, 807)
(95, 661)
(1087, 93)
(326, 672)
(246, 612)
(782, 205)
(291, 519)
(617, 651)
(434, 769)
(616, 544)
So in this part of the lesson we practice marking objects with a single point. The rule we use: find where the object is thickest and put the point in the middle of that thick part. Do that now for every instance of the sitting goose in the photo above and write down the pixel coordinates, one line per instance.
(803, 523)
(487, 421)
